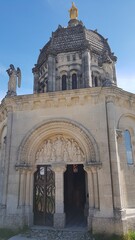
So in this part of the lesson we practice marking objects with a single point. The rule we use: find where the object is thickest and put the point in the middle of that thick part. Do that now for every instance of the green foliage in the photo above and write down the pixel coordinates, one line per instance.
(129, 236)
(7, 233)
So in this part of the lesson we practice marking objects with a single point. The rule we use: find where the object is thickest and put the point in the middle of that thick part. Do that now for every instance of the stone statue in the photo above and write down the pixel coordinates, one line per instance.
(73, 12)
(59, 147)
(14, 77)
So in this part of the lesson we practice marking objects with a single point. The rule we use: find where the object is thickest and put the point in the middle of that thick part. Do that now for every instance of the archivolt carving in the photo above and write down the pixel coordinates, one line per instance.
(58, 140)
(60, 148)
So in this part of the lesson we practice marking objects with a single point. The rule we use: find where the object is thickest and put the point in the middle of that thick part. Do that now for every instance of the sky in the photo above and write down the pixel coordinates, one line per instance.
(27, 25)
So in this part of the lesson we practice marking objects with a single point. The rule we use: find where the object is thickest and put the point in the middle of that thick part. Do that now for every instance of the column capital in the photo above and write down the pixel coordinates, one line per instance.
(110, 99)
(23, 167)
(119, 133)
(59, 167)
(93, 167)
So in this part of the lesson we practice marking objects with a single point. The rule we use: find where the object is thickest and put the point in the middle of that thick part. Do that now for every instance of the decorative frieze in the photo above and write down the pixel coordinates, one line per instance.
(67, 98)
(60, 148)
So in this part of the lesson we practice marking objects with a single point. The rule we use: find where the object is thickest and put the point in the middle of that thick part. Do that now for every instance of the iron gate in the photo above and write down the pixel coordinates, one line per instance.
(44, 196)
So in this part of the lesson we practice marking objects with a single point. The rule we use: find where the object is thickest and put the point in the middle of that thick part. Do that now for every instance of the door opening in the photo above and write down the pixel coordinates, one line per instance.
(74, 195)
(44, 196)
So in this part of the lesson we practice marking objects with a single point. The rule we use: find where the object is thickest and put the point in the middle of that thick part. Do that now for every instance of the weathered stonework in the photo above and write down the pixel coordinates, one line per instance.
(75, 119)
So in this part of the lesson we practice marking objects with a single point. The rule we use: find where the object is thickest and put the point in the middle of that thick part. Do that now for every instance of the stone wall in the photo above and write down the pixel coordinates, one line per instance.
(83, 116)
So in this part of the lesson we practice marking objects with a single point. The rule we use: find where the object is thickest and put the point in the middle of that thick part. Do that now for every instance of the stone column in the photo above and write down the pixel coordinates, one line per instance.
(29, 196)
(51, 73)
(36, 78)
(22, 188)
(69, 82)
(7, 159)
(59, 216)
(122, 155)
(86, 69)
(25, 202)
(113, 155)
(90, 195)
(2, 165)
(92, 191)
(96, 192)
(28, 178)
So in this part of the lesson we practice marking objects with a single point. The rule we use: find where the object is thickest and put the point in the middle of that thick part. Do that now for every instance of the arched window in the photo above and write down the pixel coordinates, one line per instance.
(96, 81)
(74, 81)
(128, 146)
(64, 82)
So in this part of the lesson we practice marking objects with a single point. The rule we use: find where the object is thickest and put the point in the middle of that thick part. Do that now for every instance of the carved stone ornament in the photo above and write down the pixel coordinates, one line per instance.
(58, 149)
(58, 140)
(14, 77)
(119, 133)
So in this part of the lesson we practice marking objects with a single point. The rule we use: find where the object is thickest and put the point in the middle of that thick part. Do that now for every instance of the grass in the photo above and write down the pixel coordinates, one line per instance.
(6, 233)
(129, 236)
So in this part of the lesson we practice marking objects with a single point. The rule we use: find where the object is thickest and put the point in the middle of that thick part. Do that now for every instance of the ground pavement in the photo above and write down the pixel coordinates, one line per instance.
(53, 234)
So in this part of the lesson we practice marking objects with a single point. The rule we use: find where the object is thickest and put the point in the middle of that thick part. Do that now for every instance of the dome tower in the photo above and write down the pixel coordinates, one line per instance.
(74, 58)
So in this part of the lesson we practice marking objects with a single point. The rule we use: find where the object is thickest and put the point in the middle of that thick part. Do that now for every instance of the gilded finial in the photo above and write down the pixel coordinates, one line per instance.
(73, 12)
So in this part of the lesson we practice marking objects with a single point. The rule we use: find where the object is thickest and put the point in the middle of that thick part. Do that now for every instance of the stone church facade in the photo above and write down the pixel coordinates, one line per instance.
(67, 151)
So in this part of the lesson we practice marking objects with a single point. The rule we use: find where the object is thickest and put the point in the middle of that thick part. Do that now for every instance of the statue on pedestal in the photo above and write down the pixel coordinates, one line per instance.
(14, 77)
(73, 12)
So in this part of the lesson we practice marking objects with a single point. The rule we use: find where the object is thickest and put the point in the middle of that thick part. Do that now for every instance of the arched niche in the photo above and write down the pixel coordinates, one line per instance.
(126, 121)
(126, 148)
(66, 131)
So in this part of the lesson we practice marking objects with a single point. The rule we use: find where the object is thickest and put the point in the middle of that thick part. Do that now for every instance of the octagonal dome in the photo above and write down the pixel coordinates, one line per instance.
(74, 57)
(75, 38)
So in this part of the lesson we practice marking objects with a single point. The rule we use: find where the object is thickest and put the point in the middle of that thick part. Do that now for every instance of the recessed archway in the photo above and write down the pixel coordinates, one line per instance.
(54, 128)
(69, 143)
(75, 195)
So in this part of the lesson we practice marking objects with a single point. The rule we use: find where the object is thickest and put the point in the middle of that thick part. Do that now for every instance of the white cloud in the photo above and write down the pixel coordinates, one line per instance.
(126, 82)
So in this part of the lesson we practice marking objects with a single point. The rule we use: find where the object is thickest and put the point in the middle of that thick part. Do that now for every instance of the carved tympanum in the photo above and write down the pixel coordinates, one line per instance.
(59, 149)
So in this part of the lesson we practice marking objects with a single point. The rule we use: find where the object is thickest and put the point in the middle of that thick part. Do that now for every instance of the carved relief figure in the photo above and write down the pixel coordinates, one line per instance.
(60, 149)
(14, 76)
(69, 148)
(79, 154)
(48, 149)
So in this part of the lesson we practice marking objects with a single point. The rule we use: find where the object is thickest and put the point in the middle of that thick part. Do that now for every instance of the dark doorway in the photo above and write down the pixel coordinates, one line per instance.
(74, 81)
(44, 196)
(74, 195)
(64, 82)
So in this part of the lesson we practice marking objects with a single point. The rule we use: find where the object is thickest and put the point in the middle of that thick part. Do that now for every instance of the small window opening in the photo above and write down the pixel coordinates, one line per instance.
(128, 147)
(64, 82)
(96, 82)
(74, 81)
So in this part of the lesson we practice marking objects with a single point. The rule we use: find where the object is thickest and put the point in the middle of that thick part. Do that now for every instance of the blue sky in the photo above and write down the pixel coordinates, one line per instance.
(26, 25)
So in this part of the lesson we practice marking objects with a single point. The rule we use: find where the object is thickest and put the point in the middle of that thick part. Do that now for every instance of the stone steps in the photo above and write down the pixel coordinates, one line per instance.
(53, 234)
